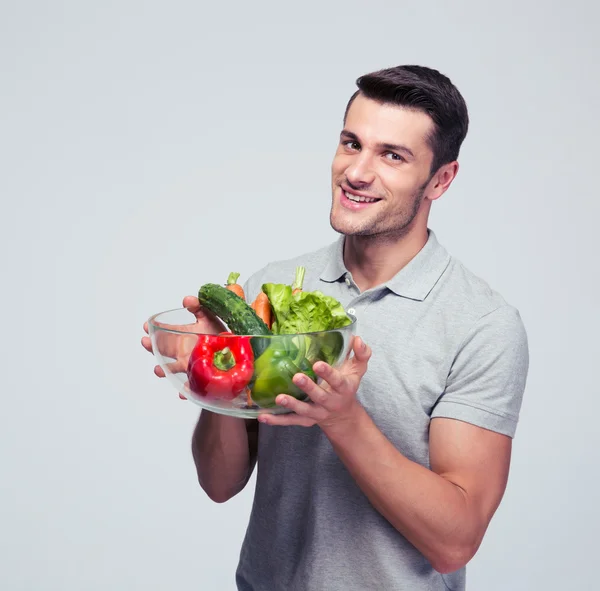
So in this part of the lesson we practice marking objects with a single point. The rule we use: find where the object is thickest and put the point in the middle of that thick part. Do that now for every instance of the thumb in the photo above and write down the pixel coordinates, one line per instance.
(362, 354)
(212, 322)
(192, 304)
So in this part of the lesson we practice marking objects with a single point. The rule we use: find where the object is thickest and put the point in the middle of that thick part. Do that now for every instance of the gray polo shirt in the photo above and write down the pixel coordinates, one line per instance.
(444, 345)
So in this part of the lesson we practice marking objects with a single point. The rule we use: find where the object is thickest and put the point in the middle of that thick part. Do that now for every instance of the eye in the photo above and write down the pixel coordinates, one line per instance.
(394, 156)
(351, 145)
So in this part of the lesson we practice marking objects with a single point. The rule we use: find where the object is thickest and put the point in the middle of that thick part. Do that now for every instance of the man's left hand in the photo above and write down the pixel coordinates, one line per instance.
(333, 403)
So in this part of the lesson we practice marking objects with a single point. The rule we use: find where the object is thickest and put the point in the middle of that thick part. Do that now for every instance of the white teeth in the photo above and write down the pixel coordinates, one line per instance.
(358, 198)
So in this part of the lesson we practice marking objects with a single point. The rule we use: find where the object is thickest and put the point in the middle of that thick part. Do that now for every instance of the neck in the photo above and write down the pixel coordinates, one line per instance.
(374, 260)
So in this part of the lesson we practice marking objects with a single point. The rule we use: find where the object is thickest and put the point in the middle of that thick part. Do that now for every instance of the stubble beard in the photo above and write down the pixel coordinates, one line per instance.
(382, 228)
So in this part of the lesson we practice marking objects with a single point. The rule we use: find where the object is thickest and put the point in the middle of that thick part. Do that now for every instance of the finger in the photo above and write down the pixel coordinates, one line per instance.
(334, 377)
(286, 420)
(201, 313)
(192, 303)
(315, 392)
(301, 408)
(187, 385)
(147, 344)
(179, 366)
(146, 327)
(362, 354)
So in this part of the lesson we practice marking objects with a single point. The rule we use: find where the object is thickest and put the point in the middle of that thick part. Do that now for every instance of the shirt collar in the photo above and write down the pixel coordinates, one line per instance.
(415, 280)
(335, 268)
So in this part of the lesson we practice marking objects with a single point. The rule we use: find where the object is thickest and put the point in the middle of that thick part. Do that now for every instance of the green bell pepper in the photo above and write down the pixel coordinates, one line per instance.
(275, 368)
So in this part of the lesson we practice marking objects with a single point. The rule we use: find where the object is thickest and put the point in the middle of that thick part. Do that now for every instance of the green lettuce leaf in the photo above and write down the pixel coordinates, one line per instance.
(304, 311)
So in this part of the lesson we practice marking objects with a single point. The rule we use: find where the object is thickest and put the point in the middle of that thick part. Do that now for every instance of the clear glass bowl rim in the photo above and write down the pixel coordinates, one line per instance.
(153, 323)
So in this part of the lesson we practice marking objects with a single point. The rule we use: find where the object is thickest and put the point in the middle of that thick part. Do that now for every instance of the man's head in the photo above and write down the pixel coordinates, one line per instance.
(403, 129)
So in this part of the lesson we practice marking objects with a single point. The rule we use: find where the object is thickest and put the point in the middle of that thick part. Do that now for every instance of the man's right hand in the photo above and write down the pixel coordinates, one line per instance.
(224, 448)
(179, 346)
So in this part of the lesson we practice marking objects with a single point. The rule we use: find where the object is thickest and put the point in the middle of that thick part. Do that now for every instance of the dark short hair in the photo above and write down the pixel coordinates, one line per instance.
(427, 90)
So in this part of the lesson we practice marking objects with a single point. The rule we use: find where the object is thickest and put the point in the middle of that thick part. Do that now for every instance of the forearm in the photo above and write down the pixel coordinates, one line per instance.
(222, 454)
(434, 514)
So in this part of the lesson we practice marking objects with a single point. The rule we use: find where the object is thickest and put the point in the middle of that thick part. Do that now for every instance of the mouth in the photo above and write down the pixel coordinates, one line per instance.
(355, 200)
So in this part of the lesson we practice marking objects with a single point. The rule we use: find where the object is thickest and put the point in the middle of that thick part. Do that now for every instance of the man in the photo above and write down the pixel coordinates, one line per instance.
(389, 478)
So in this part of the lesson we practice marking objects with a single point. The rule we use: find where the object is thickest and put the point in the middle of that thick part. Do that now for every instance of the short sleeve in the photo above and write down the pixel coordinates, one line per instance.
(486, 382)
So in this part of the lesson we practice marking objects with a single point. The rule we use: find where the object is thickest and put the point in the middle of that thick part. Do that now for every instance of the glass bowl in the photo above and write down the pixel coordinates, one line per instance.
(240, 375)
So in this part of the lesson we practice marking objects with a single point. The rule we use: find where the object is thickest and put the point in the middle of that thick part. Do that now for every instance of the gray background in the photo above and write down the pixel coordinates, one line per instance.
(146, 148)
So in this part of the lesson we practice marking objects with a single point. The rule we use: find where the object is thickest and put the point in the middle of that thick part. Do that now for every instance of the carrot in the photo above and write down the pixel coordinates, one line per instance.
(234, 286)
(262, 306)
(298, 282)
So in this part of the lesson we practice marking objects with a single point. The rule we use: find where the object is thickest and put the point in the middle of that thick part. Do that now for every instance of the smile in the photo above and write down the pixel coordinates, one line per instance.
(356, 198)
(359, 198)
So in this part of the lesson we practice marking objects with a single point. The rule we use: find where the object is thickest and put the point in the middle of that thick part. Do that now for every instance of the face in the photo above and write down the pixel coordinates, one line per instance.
(381, 170)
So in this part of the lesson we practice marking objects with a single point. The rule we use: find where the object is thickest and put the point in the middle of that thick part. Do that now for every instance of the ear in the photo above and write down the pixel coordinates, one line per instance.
(442, 180)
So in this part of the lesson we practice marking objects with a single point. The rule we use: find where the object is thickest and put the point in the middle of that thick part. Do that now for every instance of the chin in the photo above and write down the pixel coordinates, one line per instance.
(347, 229)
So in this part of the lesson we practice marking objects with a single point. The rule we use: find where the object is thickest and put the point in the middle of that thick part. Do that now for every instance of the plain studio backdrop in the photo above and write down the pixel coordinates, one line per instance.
(147, 148)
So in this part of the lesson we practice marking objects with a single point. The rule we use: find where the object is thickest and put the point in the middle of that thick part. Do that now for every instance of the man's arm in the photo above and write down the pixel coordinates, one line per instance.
(224, 450)
(444, 512)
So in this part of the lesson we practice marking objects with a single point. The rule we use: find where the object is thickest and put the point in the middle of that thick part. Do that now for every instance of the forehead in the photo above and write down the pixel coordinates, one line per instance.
(374, 122)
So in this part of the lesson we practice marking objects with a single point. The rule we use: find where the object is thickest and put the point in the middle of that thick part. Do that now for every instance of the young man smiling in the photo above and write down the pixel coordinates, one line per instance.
(389, 478)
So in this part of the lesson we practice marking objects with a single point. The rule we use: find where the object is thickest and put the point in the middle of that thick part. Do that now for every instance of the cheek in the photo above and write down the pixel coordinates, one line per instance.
(398, 182)
(339, 164)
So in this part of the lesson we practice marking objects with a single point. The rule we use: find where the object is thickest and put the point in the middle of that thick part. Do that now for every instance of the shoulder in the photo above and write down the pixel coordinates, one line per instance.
(488, 353)
(467, 293)
(469, 301)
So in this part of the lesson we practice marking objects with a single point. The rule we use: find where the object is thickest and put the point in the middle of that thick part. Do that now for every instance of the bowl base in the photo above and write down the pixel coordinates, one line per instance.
(238, 407)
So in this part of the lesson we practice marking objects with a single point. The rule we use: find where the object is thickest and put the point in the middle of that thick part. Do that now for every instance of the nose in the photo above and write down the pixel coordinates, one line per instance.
(360, 172)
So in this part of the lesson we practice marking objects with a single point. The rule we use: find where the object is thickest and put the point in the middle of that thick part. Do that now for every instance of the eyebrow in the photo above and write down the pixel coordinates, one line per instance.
(385, 146)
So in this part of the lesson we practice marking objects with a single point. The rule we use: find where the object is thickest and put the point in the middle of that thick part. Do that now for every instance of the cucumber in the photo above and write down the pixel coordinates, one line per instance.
(232, 310)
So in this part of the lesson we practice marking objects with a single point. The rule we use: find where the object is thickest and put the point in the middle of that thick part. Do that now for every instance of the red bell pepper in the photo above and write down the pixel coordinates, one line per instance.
(221, 366)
